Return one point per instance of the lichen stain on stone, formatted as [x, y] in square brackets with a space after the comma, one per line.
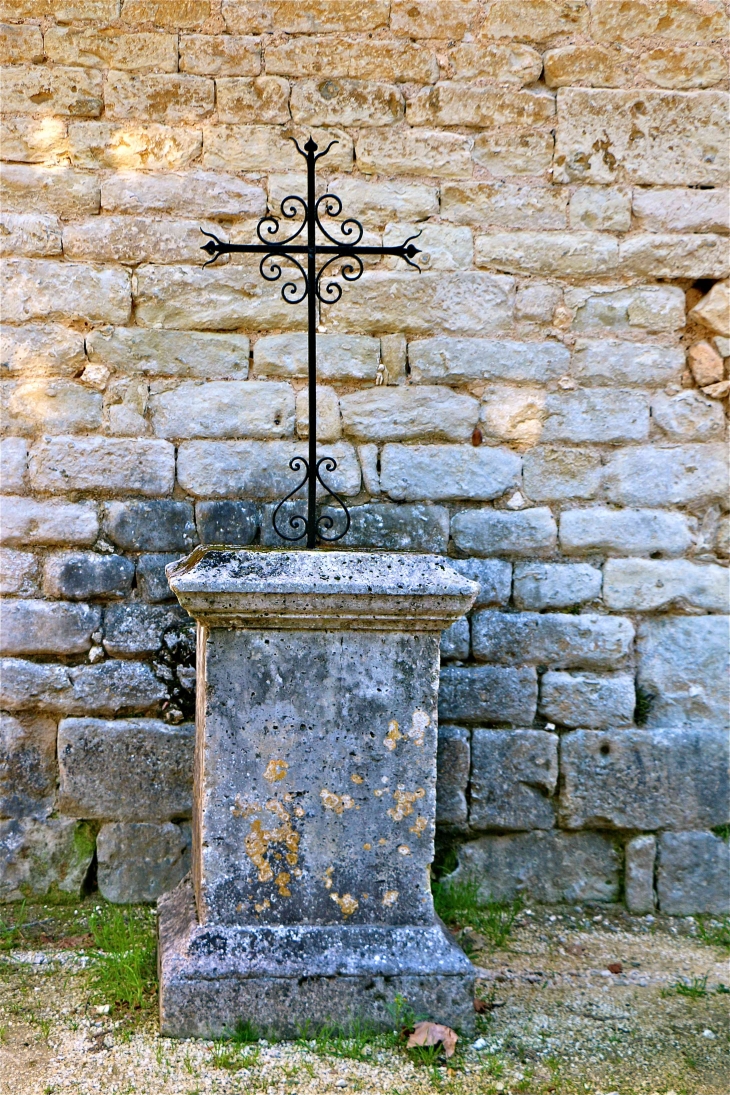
[379, 791]
[263, 906]
[403, 849]
[259, 839]
[276, 770]
[355, 778]
[282, 881]
[328, 878]
[404, 803]
[419, 826]
[347, 903]
[241, 809]
[367, 847]
[419, 722]
[393, 736]
[337, 803]
[390, 897]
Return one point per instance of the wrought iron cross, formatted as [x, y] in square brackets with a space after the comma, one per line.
[314, 289]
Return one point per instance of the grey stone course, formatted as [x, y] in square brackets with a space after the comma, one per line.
[410, 473]
[612, 362]
[693, 875]
[675, 475]
[150, 526]
[683, 670]
[461, 360]
[500, 532]
[134, 630]
[138, 861]
[397, 528]
[18, 572]
[493, 575]
[455, 641]
[453, 765]
[624, 531]
[47, 627]
[151, 577]
[514, 773]
[13, 464]
[555, 585]
[553, 473]
[43, 858]
[488, 693]
[587, 700]
[84, 575]
[645, 585]
[258, 470]
[639, 874]
[28, 767]
[231, 523]
[108, 688]
[607, 416]
[556, 640]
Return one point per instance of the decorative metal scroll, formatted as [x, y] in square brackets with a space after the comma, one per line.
[343, 258]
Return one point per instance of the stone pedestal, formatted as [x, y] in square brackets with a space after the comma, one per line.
[314, 802]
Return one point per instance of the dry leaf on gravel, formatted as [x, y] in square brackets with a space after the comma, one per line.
[433, 1034]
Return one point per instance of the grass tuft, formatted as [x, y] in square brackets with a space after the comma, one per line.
[12, 934]
[714, 931]
[458, 905]
[234, 1056]
[696, 989]
[122, 965]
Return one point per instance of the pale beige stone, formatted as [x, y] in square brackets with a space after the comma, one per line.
[55, 405]
[652, 307]
[345, 102]
[504, 205]
[682, 210]
[442, 246]
[414, 152]
[202, 193]
[41, 350]
[526, 152]
[690, 20]
[560, 254]
[243, 100]
[165, 97]
[172, 14]
[714, 309]
[269, 148]
[314, 17]
[44, 289]
[339, 357]
[600, 209]
[329, 420]
[718, 391]
[508, 64]
[514, 414]
[688, 416]
[18, 573]
[220, 54]
[33, 140]
[443, 360]
[105, 465]
[257, 469]
[38, 89]
[63, 10]
[673, 256]
[535, 20]
[20, 43]
[356, 58]
[372, 203]
[486, 107]
[112, 48]
[647, 137]
[28, 522]
[224, 408]
[588, 65]
[409, 414]
[63, 191]
[135, 351]
[33, 234]
[13, 460]
[433, 18]
[683, 67]
[131, 146]
[137, 239]
[705, 364]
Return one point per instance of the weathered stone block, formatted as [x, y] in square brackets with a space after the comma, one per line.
[674, 256]
[609, 362]
[42, 350]
[151, 577]
[555, 585]
[683, 668]
[53, 406]
[44, 289]
[430, 152]
[339, 357]
[644, 779]
[269, 148]
[693, 874]
[360, 59]
[507, 64]
[688, 416]
[683, 67]
[714, 308]
[38, 89]
[559, 640]
[624, 531]
[536, 302]
[514, 773]
[41, 859]
[232, 523]
[108, 465]
[172, 14]
[80, 575]
[585, 699]
[154, 526]
[514, 152]
[221, 55]
[455, 641]
[499, 532]
[657, 476]
[589, 65]
[557, 254]
[440, 472]
[461, 360]
[26, 521]
[643, 585]
[488, 693]
[18, 572]
[398, 528]
[190, 193]
[453, 103]
[27, 142]
[493, 575]
[164, 97]
[130, 350]
[139, 861]
[256, 469]
[47, 627]
[32, 234]
[452, 776]
[13, 464]
[241, 100]
[142, 51]
[224, 408]
[97, 758]
[136, 239]
[319, 16]
[651, 307]
[549, 867]
[20, 43]
[433, 18]
[131, 631]
[443, 246]
[409, 414]
[596, 415]
[681, 210]
[27, 766]
[108, 688]
[503, 205]
[639, 874]
[329, 420]
[616, 20]
[345, 102]
[601, 209]
[555, 473]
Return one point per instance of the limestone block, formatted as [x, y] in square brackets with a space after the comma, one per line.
[555, 585]
[27, 766]
[256, 469]
[344, 102]
[639, 874]
[488, 693]
[452, 103]
[20, 43]
[677, 143]
[555, 254]
[13, 463]
[441, 472]
[722, 539]
[443, 246]
[96, 757]
[359, 59]
[230, 523]
[714, 309]
[27, 521]
[37, 89]
[549, 867]
[536, 302]
[374, 203]
[644, 779]
[40, 858]
[80, 575]
[504, 205]
[514, 152]
[624, 531]
[644, 585]
[433, 18]
[269, 148]
[158, 97]
[514, 414]
[142, 51]
[135, 239]
[18, 572]
[600, 209]
[538, 20]
[514, 773]
[553, 473]
[499, 532]
[44, 289]
[150, 526]
[455, 641]
[683, 668]
[263, 99]
[53, 405]
[414, 152]
[693, 874]
[31, 234]
[193, 193]
[224, 408]
[132, 631]
[131, 145]
[139, 861]
[507, 64]
[221, 55]
[613, 20]
[688, 416]
[461, 360]
[585, 699]
[657, 476]
[185, 14]
[652, 307]
[386, 528]
[493, 575]
[596, 415]
[106, 689]
[42, 350]
[452, 776]
[608, 362]
[681, 210]
[151, 577]
[108, 465]
[47, 627]
[700, 255]
[339, 357]
[588, 64]
[683, 67]
[130, 350]
[318, 17]
[409, 414]
[329, 421]
[705, 363]
[24, 141]
[556, 640]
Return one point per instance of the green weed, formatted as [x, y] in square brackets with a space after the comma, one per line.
[12, 934]
[122, 968]
[244, 1033]
[353, 1044]
[233, 1056]
[458, 905]
[723, 831]
[427, 1056]
[714, 931]
[696, 989]
[644, 704]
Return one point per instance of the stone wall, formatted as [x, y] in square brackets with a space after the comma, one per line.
[545, 403]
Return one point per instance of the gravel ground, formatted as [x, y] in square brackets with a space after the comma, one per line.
[557, 1021]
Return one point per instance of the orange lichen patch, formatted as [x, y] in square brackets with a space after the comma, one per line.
[282, 881]
[275, 770]
[299, 811]
[393, 736]
[419, 722]
[404, 802]
[240, 809]
[328, 878]
[338, 803]
[265, 904]
[356, 779]
[347, 903]
[367, 847]
[379, 791]
[403, 849]
[390, 897]
[382, 840]
[419, 826]
[259, 839]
